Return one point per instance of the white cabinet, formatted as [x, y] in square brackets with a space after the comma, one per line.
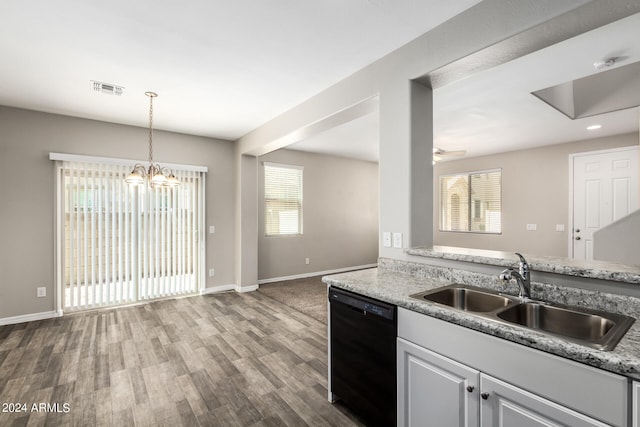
[635, 403]
[504, 404]
[509, 384]
[434, 390]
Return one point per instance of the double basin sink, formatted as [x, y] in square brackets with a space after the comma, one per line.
[592, 328]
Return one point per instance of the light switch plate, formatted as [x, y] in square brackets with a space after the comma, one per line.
[559, 227]
[212, 229]
[397, 240]
[532, 227]
[386, 239]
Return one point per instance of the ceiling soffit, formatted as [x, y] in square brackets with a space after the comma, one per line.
[611, 90]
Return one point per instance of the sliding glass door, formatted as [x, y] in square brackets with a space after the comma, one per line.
[119, 244]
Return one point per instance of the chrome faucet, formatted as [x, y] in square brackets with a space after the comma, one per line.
[522, 277]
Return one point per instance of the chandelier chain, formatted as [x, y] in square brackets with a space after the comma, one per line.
[150, 130]
[155, 174]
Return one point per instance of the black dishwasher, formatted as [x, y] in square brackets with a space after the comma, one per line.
[363, 355]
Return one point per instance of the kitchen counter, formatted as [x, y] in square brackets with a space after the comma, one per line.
[395, 287]
[569, 267]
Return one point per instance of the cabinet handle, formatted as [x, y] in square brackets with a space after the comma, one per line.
[578, 238]
[470, 388]
[485, 396]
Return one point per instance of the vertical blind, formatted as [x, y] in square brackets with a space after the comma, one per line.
[120, 244]
[471, 202]
[282, 199]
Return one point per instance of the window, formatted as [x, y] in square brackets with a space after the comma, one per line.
[282, 200]
[120, 245]
[471, 202]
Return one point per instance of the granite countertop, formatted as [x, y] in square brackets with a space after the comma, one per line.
[395, 287]
[570, 267]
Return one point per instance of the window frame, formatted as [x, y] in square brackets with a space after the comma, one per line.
[299, 201]
[128, 275]
[471, 203]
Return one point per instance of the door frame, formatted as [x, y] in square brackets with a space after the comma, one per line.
[572, 157]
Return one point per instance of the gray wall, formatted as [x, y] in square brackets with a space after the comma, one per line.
[490, 33]
[535, 190]
[340, 214]
[619, 241]
[26, 216]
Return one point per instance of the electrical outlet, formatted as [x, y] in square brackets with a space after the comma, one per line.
[532, 227]
[41, 292]
[306, 261]
[212, 229]
[559, 227]
[212, 272]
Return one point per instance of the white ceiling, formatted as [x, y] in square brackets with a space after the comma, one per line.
[494, 111]
[221, 68]
[357, 139]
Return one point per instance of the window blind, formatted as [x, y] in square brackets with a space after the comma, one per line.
[121, 244]
[471, 202]
[282, 199]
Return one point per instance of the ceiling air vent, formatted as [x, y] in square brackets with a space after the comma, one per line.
[106, 88]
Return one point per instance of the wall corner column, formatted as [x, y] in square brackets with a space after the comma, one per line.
[422, 220]
[406, 170]
[246, 233]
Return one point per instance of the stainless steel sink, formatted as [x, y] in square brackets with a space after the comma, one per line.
[592, 328]
[467, 298]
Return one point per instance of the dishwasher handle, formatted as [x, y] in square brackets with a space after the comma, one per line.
[368, 306]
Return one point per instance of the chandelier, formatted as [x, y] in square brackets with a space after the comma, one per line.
[154, 175]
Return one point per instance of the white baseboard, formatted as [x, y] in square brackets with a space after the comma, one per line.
[212, 290]
[29, 317]
[225, 288]
[216, 289]
[316, 273]
[248, 288]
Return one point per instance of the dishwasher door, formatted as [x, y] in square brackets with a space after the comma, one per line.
[363, 334]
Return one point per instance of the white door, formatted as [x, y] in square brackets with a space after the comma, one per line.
[605, 189]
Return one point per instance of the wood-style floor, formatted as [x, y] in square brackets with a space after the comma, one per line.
[215, 360]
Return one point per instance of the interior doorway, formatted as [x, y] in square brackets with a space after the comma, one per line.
[603, 189]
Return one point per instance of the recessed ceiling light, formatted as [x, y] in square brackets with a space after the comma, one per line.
[594, 127]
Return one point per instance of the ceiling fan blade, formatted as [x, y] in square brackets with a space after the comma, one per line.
[445, 153]
[454, 153]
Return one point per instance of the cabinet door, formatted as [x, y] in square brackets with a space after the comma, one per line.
[635, 403]
[434, 390]
[506, 405]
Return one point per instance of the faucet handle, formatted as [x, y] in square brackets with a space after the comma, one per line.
[524, 265]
